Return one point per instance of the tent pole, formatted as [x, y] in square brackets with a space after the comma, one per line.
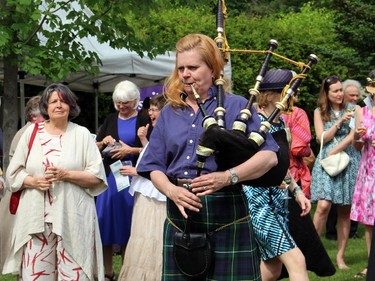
[96, 91]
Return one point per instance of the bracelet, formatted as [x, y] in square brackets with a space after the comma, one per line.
[295, 190]
[337, 126]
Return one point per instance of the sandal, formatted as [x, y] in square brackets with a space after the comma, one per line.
[361, 275]
[109, 277]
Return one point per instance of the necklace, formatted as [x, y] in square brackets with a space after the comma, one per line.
[336, 113]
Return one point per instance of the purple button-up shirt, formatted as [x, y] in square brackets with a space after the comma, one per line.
[175, 137]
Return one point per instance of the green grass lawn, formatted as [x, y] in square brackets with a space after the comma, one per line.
[356, 259]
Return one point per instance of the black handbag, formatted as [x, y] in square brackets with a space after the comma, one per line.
[192, 252]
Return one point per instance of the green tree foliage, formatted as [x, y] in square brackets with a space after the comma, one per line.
[35, 39]
[299, 34]
[162, 28]
[355, 25]
[43, 38]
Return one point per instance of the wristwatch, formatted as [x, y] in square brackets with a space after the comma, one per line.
[233, 177]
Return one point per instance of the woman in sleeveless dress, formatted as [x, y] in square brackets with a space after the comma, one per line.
[363, 205]
[332, 118]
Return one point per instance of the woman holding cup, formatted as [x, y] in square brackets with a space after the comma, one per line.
[332, 119]
[363, 205]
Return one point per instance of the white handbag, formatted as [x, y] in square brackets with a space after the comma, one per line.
[334, 164]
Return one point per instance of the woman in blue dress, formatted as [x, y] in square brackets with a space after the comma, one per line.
[332, 117]
[115, 206]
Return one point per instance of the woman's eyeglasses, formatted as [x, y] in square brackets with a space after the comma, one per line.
[150, 110]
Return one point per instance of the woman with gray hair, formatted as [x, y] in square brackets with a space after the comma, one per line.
[32, 115]
[352, 90]
[59, 171]
[117, 139]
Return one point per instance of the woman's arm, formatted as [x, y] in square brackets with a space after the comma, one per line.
[359, 131]
[181, 196]
[253, 168]
[81, 178]
[342, 145]
[331, 132]
[301, 134]
[142, 134]
[256, 166]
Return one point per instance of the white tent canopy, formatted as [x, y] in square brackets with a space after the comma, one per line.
[117, 65]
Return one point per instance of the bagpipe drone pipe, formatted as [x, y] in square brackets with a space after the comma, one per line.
[233, 147]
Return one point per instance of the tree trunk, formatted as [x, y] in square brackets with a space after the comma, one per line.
[10, 105]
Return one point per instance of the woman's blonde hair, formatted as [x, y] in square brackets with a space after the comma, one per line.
[262, 99]
[210, 54]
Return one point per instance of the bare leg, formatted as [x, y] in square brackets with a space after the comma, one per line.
[321, 215]
[295, 264]
[368, 236]
[270, 269]
[108, 256]
[343, 228]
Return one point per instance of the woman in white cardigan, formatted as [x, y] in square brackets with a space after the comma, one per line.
[56, 230]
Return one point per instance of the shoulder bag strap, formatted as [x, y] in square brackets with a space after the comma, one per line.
[32, 140]
[321, 145]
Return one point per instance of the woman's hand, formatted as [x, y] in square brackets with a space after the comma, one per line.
[122, 152]
[108, 140]
[184, 199]
[283, 185]
[142, 134]
[359, 133]
[303, 202]
[54, 173]
[346, 117]
[181, 196]
[128, 170]
[210, 183]
[41, 183]
[81, 178]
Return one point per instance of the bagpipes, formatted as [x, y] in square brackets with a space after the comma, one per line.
[233, 147]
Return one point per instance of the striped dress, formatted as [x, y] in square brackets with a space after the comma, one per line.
[268, 211]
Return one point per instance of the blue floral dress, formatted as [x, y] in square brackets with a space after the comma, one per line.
[339, 189]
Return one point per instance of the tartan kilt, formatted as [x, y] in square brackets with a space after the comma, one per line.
[236, 256]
